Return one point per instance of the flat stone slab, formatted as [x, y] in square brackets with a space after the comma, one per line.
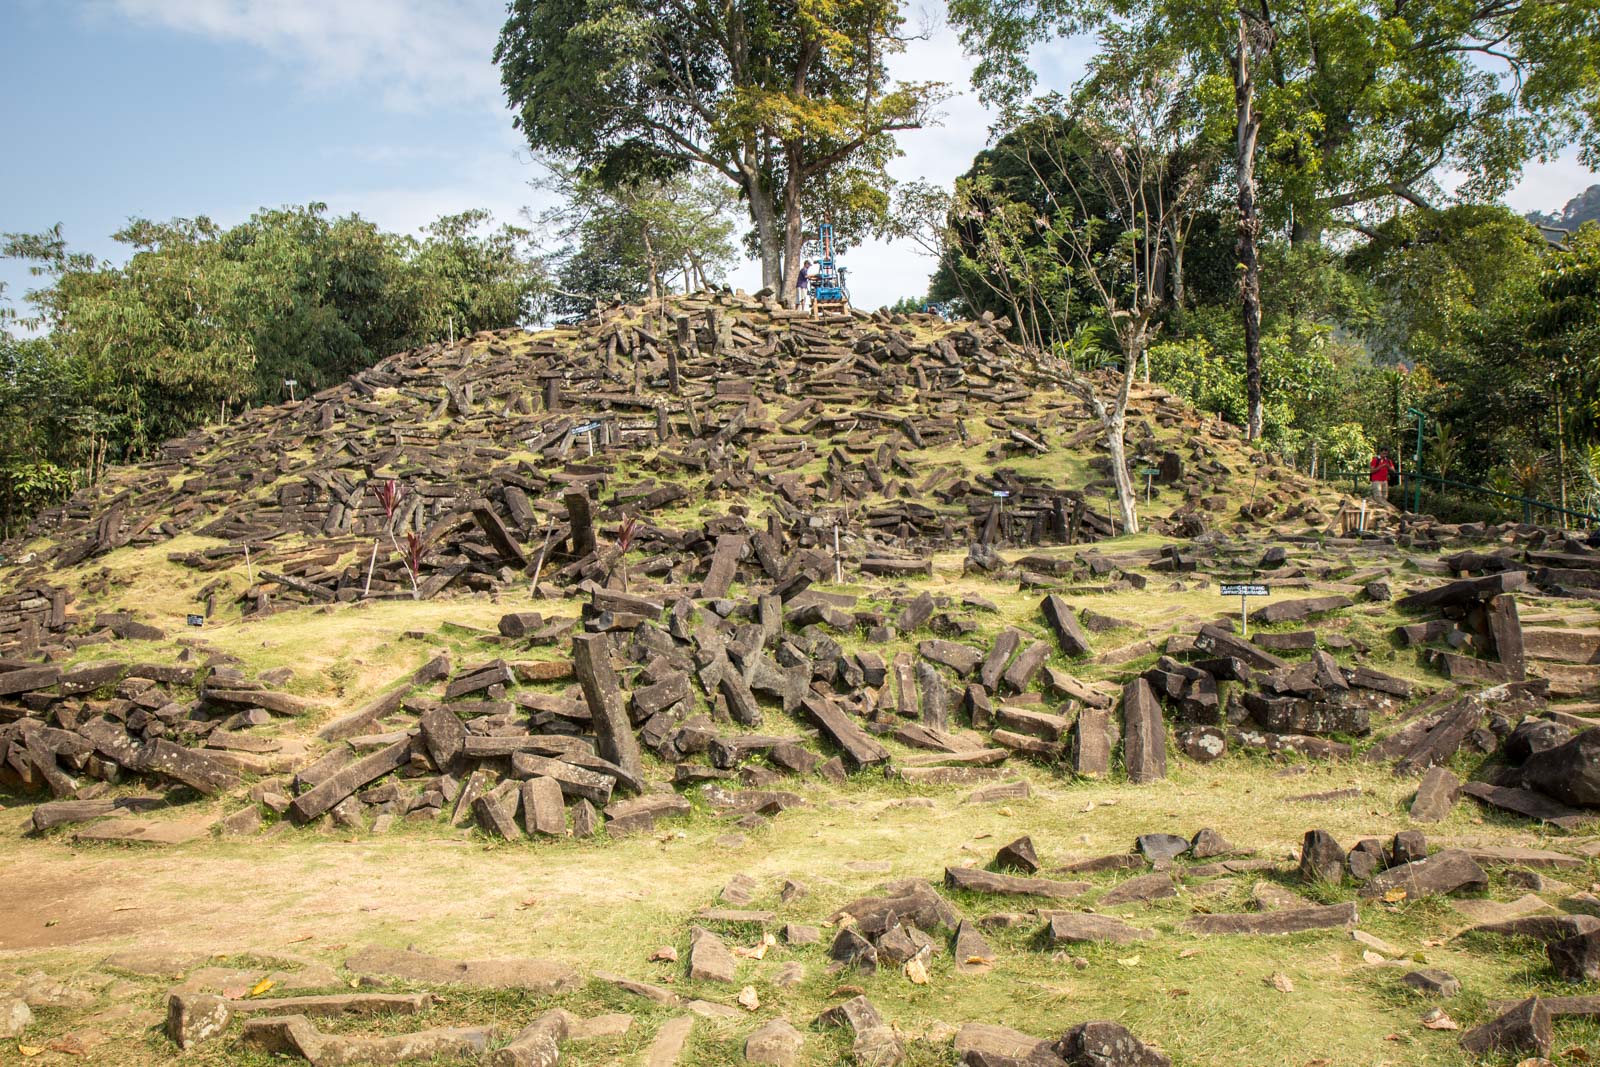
[1558, 1007]
[709, 958]
[1013, 885]
[1512, 856]
[294, 1035]
[1528, 803]
[1147, 887]
[669, 1042]
[1541, 927]
[1004, 1044]
[1288, 921]
[1491, 911]
[196, 1017]
[534, 975]
[54, 813]
[1076, 927]
[147, 831]
[640, 813]
[1441, 873]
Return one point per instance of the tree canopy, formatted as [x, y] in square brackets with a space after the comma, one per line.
[201, 321]
[1363, 104]
[782, 98]
[630, 241]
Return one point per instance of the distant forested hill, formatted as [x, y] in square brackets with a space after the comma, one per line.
[1585, 207]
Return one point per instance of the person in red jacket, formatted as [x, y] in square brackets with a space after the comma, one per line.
[1383, 469]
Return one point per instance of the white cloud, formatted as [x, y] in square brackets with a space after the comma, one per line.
[882, 272]
[413, 53]
[1548, 186]
[416, 55]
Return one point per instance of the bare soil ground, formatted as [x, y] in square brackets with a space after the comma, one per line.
[292, 899]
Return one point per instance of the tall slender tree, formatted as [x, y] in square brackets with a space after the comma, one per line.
[775, 95]
[1255, 36]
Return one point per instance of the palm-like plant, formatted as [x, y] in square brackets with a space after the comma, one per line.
[625, 536]
[1446, 448]
[1527, 473]
[1591, 478]
[416, 548]
[389, 493]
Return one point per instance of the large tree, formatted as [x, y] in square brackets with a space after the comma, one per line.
[1090, 200]
[201, 320]
[1353, 105]
[775, 95]
[632, 240]
[1363, 103]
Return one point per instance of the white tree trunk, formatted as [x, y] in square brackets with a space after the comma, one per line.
[1127, 498]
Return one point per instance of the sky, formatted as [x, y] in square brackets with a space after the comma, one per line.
[390, 108]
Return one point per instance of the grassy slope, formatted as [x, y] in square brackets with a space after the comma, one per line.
[608, 905]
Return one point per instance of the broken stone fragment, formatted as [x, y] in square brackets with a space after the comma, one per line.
[1570, 772]
[1366, 859]
[195, 1018]
[972, 953]
[1432, 982]
[1107, 1044]
[1208, 843]
[1321, 858]
[1161, 848]
[1203, 744]
[876, 1044]
[1437, 794]
[777, 1043]
[15, 1016]
[1524, 1028]
[709, 958]
[537, 1045]
[1018, 856]
[851, 949]
[1576, 958]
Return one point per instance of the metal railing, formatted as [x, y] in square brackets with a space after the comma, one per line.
[1410, 493]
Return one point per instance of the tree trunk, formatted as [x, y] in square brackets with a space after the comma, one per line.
[793, 234]
[1127, 499]
[1561, 453]
[1115, 420]
[764, 215]
[1248, 124]
[1177, 243]
[653, 286]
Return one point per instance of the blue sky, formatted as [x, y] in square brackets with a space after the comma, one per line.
[160, 108]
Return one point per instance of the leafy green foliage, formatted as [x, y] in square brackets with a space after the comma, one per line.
[201, 321]
[1585, 207]
[45, 429]
[790, 101]
[1363, 103]
[630, 242]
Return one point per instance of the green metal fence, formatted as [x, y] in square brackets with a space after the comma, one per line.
[1413, 487]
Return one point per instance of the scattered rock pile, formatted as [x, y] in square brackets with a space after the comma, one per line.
[867, 440]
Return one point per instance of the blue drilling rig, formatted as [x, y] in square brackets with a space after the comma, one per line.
[829, 291]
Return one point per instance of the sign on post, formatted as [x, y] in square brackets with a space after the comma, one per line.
[197, 620]
[1244, 591]
[1149, 473]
